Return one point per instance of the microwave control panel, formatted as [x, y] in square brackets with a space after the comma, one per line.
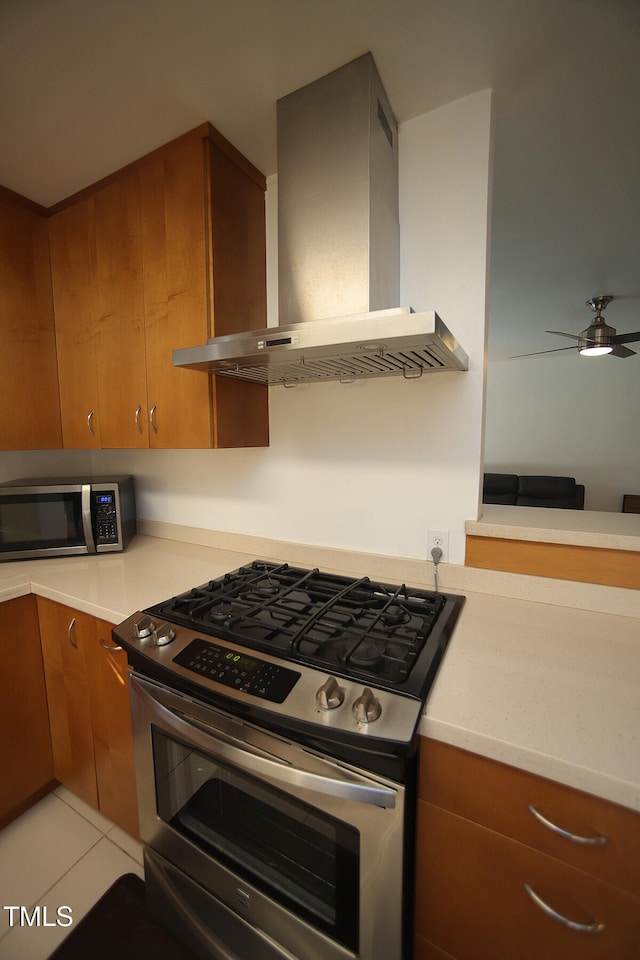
[104, 516]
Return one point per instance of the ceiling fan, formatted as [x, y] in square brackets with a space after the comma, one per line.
[598, 338]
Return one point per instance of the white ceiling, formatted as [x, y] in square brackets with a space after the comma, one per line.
[86, 87]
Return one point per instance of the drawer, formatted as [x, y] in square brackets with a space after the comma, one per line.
[471, 900]
[499, 797]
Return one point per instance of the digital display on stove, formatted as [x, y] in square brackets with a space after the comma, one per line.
[245, 663]
[269, 681]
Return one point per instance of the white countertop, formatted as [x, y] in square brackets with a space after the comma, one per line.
[615, 531]
[552, 689]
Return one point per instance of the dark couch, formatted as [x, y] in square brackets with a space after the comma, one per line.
[509, 488]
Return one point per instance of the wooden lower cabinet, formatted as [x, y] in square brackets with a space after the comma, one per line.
[89, 712]
[479, 848]
[25, 744]
[108, 677]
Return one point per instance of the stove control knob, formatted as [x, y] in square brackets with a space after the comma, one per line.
[366, 708]
[163, 634]
[143, 628]
[330, 695]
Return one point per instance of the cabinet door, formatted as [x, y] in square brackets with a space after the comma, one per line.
[72, 243]
[173, 199]
[65, 634]
[238, 289]
[25, 744]
[112, 731]
[119, 316]
[203, 231]
[511, 802]
[472, 903]
[29, 408]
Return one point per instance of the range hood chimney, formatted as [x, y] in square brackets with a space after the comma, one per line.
[338, 250]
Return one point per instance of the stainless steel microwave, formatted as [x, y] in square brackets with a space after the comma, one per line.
[63, 516]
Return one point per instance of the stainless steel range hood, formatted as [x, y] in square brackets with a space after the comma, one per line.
[381, 344]
[338, 250]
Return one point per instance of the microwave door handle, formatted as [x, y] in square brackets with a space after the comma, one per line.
[273, 770]
[87, 528]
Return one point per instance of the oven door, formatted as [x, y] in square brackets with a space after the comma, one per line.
[306, 851]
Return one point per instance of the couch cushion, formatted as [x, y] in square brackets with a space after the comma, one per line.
[547, 492]
[500, 488]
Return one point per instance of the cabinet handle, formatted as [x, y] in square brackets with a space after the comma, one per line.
[594, 927]
[112, 647]
[90, 423]
[597, 841]
[152, 417]
[72, 624]
[137, 418]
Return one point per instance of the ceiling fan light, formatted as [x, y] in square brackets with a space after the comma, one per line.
[595, 350]
[595, 341]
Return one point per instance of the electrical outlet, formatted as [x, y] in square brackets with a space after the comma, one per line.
[438, 538]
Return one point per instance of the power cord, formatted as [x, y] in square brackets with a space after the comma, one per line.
[436, 556]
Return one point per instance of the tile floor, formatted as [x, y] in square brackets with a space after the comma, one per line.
[61, 852]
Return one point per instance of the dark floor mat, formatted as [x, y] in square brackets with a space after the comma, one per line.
[120, 927]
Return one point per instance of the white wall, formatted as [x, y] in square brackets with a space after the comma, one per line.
[567, 415]
[371, 465]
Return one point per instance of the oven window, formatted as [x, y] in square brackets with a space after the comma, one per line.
[294, 852]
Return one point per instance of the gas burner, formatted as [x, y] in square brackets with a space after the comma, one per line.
[220, 614]
[368, 654]
[265, 590]
[394, 615]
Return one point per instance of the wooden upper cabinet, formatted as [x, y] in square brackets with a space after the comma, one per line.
[119, 315]
[29, 409]
[174, 234]
[73, 253]
[161, 255]
[203, 236]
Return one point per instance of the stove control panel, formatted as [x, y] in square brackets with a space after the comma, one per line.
[270, 681]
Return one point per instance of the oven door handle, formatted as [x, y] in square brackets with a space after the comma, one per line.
[273, 770]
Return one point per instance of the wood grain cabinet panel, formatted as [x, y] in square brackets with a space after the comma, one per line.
[473, 904]
[119, 315]
[479, 844]
[25, 742]
[108, 677]
[160, 255]
[499, 796]
[65, 633]
[73, 254]
[29, 407]
[174, 230]
[89, 712]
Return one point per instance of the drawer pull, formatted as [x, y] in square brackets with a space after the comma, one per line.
[111, 647]
[596, 841]
[594, 927]
[72, 624]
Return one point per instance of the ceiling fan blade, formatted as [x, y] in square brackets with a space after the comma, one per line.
[559, 333]
[540, 352]
[620, 351]
[626, 337]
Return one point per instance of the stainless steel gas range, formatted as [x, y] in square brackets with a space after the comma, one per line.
[275, 719]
